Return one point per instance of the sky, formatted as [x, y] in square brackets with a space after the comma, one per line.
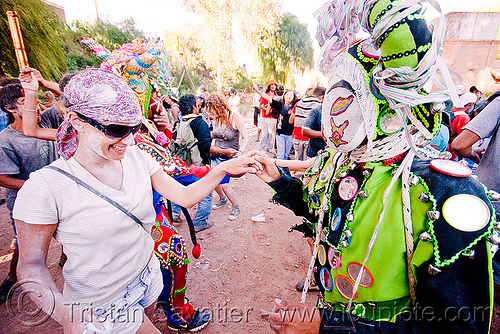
[156, 16]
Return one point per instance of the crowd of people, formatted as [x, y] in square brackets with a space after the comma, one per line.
[402, 234]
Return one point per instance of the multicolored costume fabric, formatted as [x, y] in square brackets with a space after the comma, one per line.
[170, 247]
[450, 265]
[394, 234]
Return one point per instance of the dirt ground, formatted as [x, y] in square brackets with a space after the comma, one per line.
[243, 267]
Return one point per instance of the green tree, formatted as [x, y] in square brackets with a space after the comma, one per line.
[106, 33]
[289, 49]
[219, 18]
[44, 35]
[184, 54]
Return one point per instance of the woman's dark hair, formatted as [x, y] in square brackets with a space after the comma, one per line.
[295, 97]
[202, 98]
[280, 90]
[8, 99]
[268, 89]
[64, 81]
[4, 81]
[186, 104]
[318, 92]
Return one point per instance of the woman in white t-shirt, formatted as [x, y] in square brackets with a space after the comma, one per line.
[111, 270]
[233, 101]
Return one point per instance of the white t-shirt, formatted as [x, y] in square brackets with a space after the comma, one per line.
[234, 103]
[106, 249]
[256, 100]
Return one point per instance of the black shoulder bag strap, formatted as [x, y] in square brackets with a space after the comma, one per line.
[98, 193]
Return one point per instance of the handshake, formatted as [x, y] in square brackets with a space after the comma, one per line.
[253, 162]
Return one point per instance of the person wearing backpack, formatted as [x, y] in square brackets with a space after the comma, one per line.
[191, 143]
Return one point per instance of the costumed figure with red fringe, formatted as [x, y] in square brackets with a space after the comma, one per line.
[140, 64]
[403, 243]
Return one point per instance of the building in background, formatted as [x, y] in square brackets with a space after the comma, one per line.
[59, 10]
[470, 46]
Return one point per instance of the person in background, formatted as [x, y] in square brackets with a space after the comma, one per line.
[460, 89]
[312, 130]
[171, 103]
[203, 91]
[311, 100]
[256, 112]
[234, 100]
[4, 81]
[20, 155]
[461, 118]
[442, 139]
[158, 113]
[481, 104]
[228, 129]
[200, 154]
[284, 106]
[273, 121]
[53, 117]
[476, 90]
[202, 107]
[265, 117]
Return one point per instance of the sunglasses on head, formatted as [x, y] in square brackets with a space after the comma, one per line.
[112, 131]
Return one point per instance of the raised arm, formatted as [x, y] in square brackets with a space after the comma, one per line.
[262, 94]
[30, 110]
[50, 85]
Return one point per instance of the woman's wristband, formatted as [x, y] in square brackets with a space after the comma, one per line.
[33, 90]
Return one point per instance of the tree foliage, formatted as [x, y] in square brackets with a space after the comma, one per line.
[184, 54]
[255, 19]
[289, 49]
[108, 34]
[44, 37]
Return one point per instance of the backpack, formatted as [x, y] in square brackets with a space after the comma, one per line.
[185, 146]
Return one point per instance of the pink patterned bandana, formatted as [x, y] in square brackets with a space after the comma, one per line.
[100, 95]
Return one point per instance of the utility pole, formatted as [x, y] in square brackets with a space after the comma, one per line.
[96, 11]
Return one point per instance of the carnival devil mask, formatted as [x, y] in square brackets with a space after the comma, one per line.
[368, 109]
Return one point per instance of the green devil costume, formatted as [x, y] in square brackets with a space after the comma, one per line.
[404, 244]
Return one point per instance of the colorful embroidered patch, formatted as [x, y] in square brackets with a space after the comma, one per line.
[340, 105]
[338, 133]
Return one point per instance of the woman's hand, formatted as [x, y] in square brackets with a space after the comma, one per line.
[291, 319]
[161, 120]
[229, 152]
[269, 170]
[28, 81]
[82, 321]
[242, 165]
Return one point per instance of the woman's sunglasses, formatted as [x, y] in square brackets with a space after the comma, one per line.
[112, 131]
